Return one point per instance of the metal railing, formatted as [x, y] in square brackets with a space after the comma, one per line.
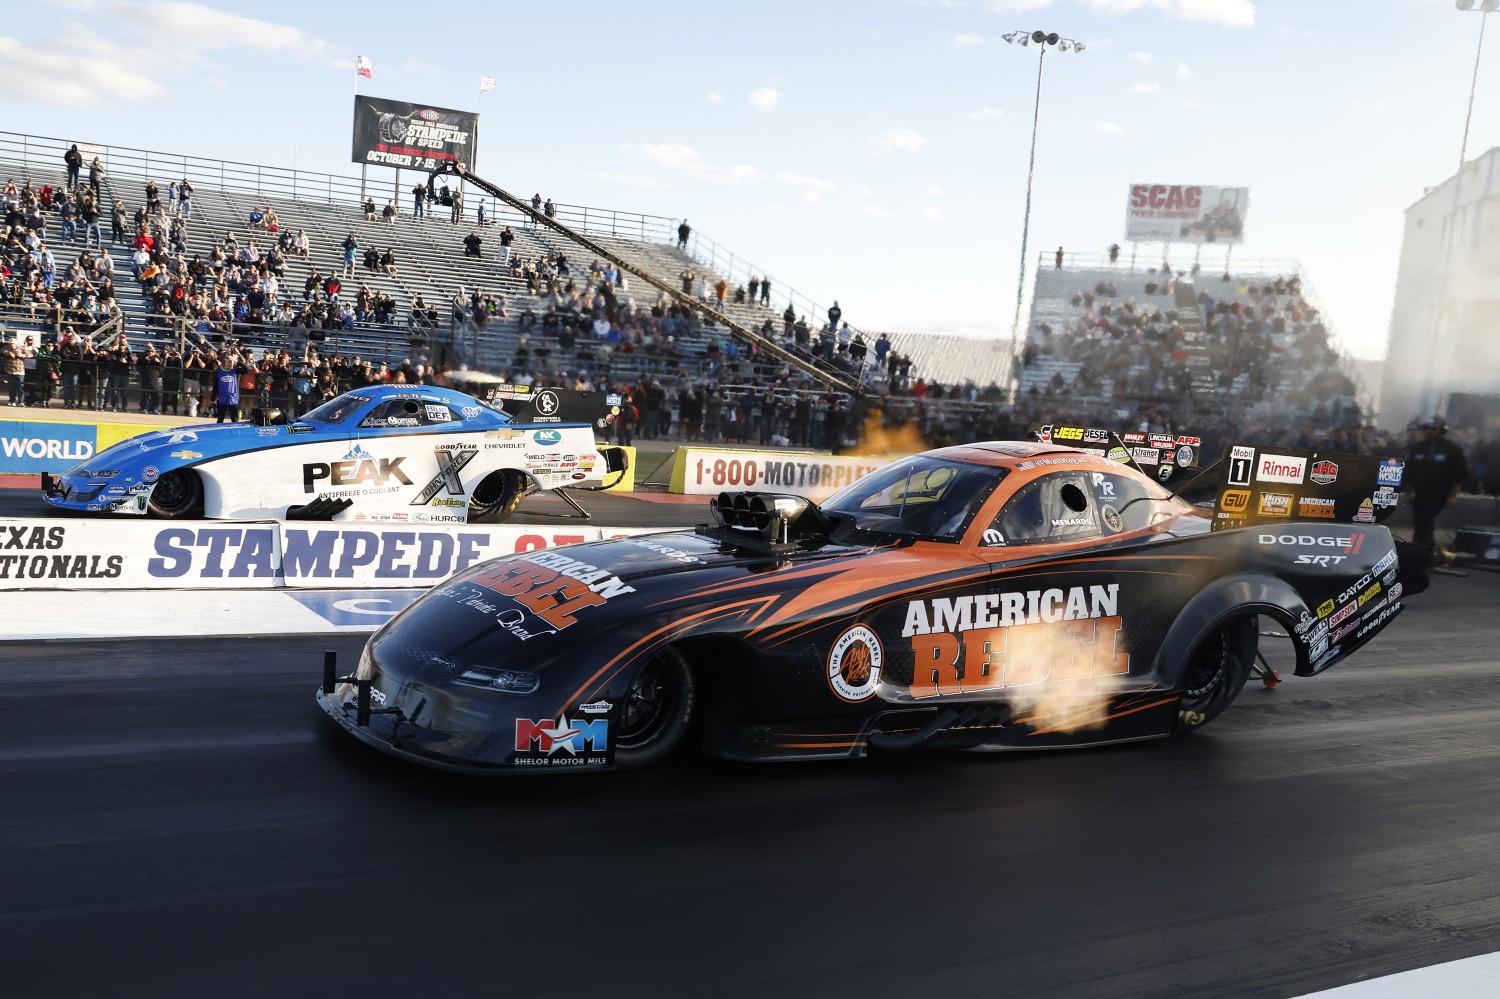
[305, 186]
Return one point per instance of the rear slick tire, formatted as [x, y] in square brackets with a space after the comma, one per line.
[657, 711]
[1216, 672]
[496, 497]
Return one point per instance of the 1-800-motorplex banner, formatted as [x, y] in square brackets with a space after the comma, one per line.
[1186, 213]
[417, 136]
[37, 554]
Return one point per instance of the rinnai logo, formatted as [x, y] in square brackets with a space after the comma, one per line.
[1280, 468]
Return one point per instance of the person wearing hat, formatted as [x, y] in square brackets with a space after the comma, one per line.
[1435, 469]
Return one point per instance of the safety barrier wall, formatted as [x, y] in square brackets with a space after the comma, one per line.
[33, 446]
[707, 471]
[47, 553]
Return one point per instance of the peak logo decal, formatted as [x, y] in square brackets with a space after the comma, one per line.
[358, 468]
[854, 664]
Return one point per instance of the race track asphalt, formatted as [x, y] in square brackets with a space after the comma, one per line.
[180, 819]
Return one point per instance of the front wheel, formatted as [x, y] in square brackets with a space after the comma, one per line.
[1216, 672]
[657, 711]
[177, 494]
[497, 497]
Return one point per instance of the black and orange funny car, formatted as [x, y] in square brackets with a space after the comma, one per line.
[980, 597]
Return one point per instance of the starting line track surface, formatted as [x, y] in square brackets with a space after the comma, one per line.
[44, 614]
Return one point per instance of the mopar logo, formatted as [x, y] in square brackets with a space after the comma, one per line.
[369, 471]
[547, 438]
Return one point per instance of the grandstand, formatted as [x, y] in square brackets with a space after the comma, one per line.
[431, 263]
[1109, 338]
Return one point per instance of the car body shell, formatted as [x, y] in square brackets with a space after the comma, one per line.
[394, 452]
[852, 642]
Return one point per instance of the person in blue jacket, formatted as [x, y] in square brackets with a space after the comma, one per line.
[227, 399]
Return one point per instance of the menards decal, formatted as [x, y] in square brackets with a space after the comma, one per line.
[990, 641]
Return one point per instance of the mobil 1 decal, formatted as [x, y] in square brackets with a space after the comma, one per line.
[1281, 485]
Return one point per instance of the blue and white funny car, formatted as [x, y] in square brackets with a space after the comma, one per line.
[389, 453]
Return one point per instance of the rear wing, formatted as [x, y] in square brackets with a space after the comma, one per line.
[1164, 456]
[531, 405]
[1275, 485]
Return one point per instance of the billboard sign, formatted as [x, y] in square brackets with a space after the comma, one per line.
[416, 136]
[1186, 213]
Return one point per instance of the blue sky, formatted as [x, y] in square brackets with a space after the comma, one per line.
[873, 152]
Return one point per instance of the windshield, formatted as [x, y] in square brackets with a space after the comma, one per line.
[335, 410]
[921, 497]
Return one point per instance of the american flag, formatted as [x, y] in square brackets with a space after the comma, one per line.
[486, 84]
[362, 67]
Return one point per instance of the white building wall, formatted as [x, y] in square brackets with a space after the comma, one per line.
[1445, 324]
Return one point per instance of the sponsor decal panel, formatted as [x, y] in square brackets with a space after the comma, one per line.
[1235, 500]
[1315, 508]
[1275, 505]
[1323, 473]
[1241, 465]
[854, 664]
[562, 742]
[1390, 473]
[1285, 468]
[993, 641]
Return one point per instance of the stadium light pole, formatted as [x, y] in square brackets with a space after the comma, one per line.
[1486, 8]
[1043, 41]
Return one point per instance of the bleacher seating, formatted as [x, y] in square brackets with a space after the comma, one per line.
[431, 262]
[1108, 336]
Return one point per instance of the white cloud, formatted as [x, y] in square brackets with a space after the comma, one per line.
[985, 113]
[933, 191]
[1189, 103]
[931, 215]
[626, 179]
[1108, 128]
[902, 140]
[765, 99]
[966, 40]
[1140, 57]
[875, 211]
[205, 27]
[1144, 88]
[1016, 6]
[1184, 71]
[800, 180]
[714, 97]
[687, 161]
[1230, 13]
[73, 77]
[130, 49]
